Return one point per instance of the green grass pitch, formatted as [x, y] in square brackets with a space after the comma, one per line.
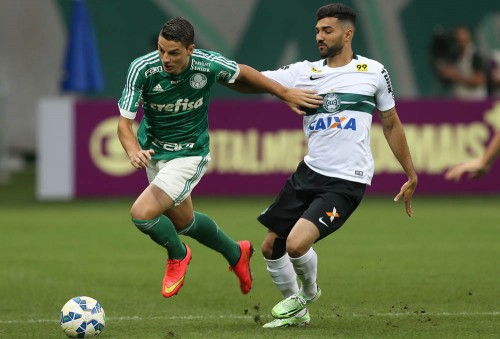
[383, 275]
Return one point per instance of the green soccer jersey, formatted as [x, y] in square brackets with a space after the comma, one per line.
[175, 122]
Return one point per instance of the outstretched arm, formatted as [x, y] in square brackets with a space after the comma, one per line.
[478, 166]
[395, 136]
[252, 81]
[242, 87]
[451, 73]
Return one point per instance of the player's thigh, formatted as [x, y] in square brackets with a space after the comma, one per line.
[178, 177]
[284, 212]
[151, 203]
[331, 209]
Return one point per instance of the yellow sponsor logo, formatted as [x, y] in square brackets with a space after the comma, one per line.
[255, 152]
[362, 67]
[106, 151]
[434, 147]
[315, 70]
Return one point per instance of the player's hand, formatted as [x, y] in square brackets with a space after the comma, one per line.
[296, 98]
[141, 159]
[407, 193]
[475, 168]
[449, 72]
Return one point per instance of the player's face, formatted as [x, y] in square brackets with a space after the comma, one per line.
[330, 37]
[174, 55]
[463, 37]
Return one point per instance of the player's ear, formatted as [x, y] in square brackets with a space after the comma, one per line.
[191, 49]
[349, 33]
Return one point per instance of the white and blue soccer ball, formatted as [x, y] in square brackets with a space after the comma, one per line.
[82, 317]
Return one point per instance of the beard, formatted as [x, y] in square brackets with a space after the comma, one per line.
[332, 51]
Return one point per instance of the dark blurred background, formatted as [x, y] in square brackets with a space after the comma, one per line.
[407, 36]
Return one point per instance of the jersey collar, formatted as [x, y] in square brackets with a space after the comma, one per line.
[354, 56]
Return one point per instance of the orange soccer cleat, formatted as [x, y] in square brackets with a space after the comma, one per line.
[175, 274]
[242, 268]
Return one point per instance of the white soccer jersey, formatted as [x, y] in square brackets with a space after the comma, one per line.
[338, 132]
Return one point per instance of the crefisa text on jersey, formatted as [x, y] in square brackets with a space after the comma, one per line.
[181, 105]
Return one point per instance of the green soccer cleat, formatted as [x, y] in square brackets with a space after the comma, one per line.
[293, 305]
[290, 321]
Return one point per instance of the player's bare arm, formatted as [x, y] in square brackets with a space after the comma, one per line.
[395, 136]
[138, 158]
[242, 87]
[479, 166]
[295, 98]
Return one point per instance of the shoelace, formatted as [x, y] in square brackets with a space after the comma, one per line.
[293, 300]
[173, 262]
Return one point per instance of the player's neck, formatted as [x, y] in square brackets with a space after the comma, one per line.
[341, 59]
[183, 67]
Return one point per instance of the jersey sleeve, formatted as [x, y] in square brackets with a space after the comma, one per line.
[225, 70]
[132, 93]
[384, 96]
[286, 75]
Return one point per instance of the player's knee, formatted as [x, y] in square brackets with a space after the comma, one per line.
[267, 249]
[141, 212]
[295, 248]
[273, 247]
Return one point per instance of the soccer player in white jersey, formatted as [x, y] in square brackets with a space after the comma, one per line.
[172, 144]
[330, 182]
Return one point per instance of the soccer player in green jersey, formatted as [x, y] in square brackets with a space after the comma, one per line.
[172, 144]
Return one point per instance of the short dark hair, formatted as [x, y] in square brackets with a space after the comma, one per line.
[178, 29]
[337, 10]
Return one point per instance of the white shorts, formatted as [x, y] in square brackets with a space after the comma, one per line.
[177, 177]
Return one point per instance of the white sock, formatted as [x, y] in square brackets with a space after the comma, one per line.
[306, 268]
[283, 275]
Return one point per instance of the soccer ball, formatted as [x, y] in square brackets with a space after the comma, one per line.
[82, 317]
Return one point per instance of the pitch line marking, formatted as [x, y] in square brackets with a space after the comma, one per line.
[200, 317]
